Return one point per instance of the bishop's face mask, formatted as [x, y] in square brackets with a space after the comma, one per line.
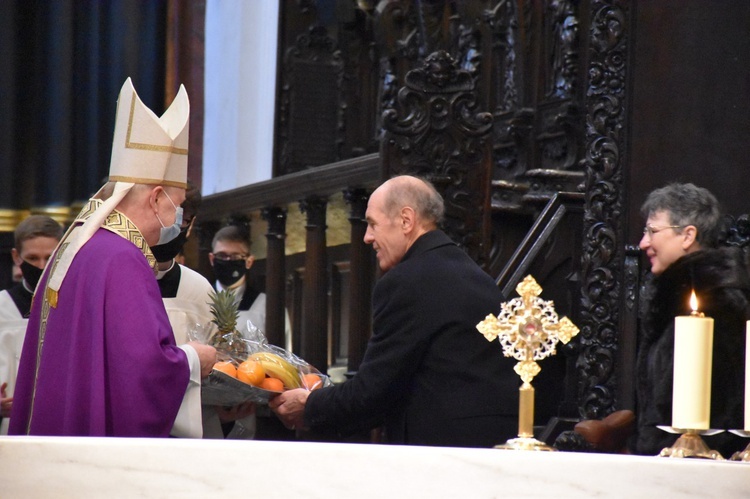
[167, 251]
[31, 273]
[228, 272]
[169, 233]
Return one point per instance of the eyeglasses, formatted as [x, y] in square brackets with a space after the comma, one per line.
[230, 257]
[650, 231]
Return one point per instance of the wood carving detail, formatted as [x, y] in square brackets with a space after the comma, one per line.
[503, 24]
[563, 52]
[602, 232]
[315, 208]
[437, 132]
[311, 93]
[276, 218]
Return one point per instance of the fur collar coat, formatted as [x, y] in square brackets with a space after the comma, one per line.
[722, 284]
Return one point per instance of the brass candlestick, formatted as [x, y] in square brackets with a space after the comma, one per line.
[690, 444]
[743, 455]
[691, 385]
[528, 329]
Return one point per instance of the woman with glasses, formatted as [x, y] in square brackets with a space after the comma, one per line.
[681, 242]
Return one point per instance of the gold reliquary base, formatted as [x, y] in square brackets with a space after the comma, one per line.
[525, 443]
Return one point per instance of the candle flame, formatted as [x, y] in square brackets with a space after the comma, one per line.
[694, 302]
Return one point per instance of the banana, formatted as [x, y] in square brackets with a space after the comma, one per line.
[277, 367]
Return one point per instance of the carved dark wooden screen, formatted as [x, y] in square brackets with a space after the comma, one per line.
[327, 91]
[520, 62]
[310, 113]
[559, 80]
[437, 131]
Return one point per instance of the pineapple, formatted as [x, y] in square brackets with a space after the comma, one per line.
[228, 339]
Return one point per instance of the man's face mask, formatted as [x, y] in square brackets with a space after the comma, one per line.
[167, 251]
[169, 233]
[229, 272]
[31, 273]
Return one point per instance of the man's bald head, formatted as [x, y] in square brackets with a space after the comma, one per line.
[399, 212]
[417, 193]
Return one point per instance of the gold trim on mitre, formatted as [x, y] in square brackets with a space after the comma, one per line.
[181, 185]
[147, 149]
[130, 144]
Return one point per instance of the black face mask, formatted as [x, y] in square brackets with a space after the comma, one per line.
[167, 251]
[229, 271]
[31, 274]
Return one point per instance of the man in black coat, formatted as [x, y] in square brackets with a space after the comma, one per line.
[428, 375]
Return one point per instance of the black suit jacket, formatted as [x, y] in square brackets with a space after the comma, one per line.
[428, 374]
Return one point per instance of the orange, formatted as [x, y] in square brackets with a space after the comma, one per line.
[226, 367]
[272, 384]
[311, 381]
[251, 372]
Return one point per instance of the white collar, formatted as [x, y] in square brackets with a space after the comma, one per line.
[162, 273]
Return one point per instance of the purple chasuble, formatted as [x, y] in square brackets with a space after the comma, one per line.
[109, 364]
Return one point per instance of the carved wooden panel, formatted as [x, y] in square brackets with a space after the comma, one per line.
[328, 85]
[310, 113]
[602, 259]
[438, 131]
[527, 95]
[535, 86]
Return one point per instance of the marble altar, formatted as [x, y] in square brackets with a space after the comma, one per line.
[116, 467]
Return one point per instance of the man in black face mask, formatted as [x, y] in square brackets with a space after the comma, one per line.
[231, 259]
[35, 240]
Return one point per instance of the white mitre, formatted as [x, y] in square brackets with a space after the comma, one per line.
[146, 149]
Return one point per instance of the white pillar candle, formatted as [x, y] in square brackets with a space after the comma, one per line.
[691, 388]
[747, 376]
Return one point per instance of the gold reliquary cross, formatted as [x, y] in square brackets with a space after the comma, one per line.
[528, 329]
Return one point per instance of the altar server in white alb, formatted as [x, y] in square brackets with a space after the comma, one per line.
[99, 357]
[35, 239]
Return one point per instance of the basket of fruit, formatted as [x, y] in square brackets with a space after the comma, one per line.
[251, 370]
